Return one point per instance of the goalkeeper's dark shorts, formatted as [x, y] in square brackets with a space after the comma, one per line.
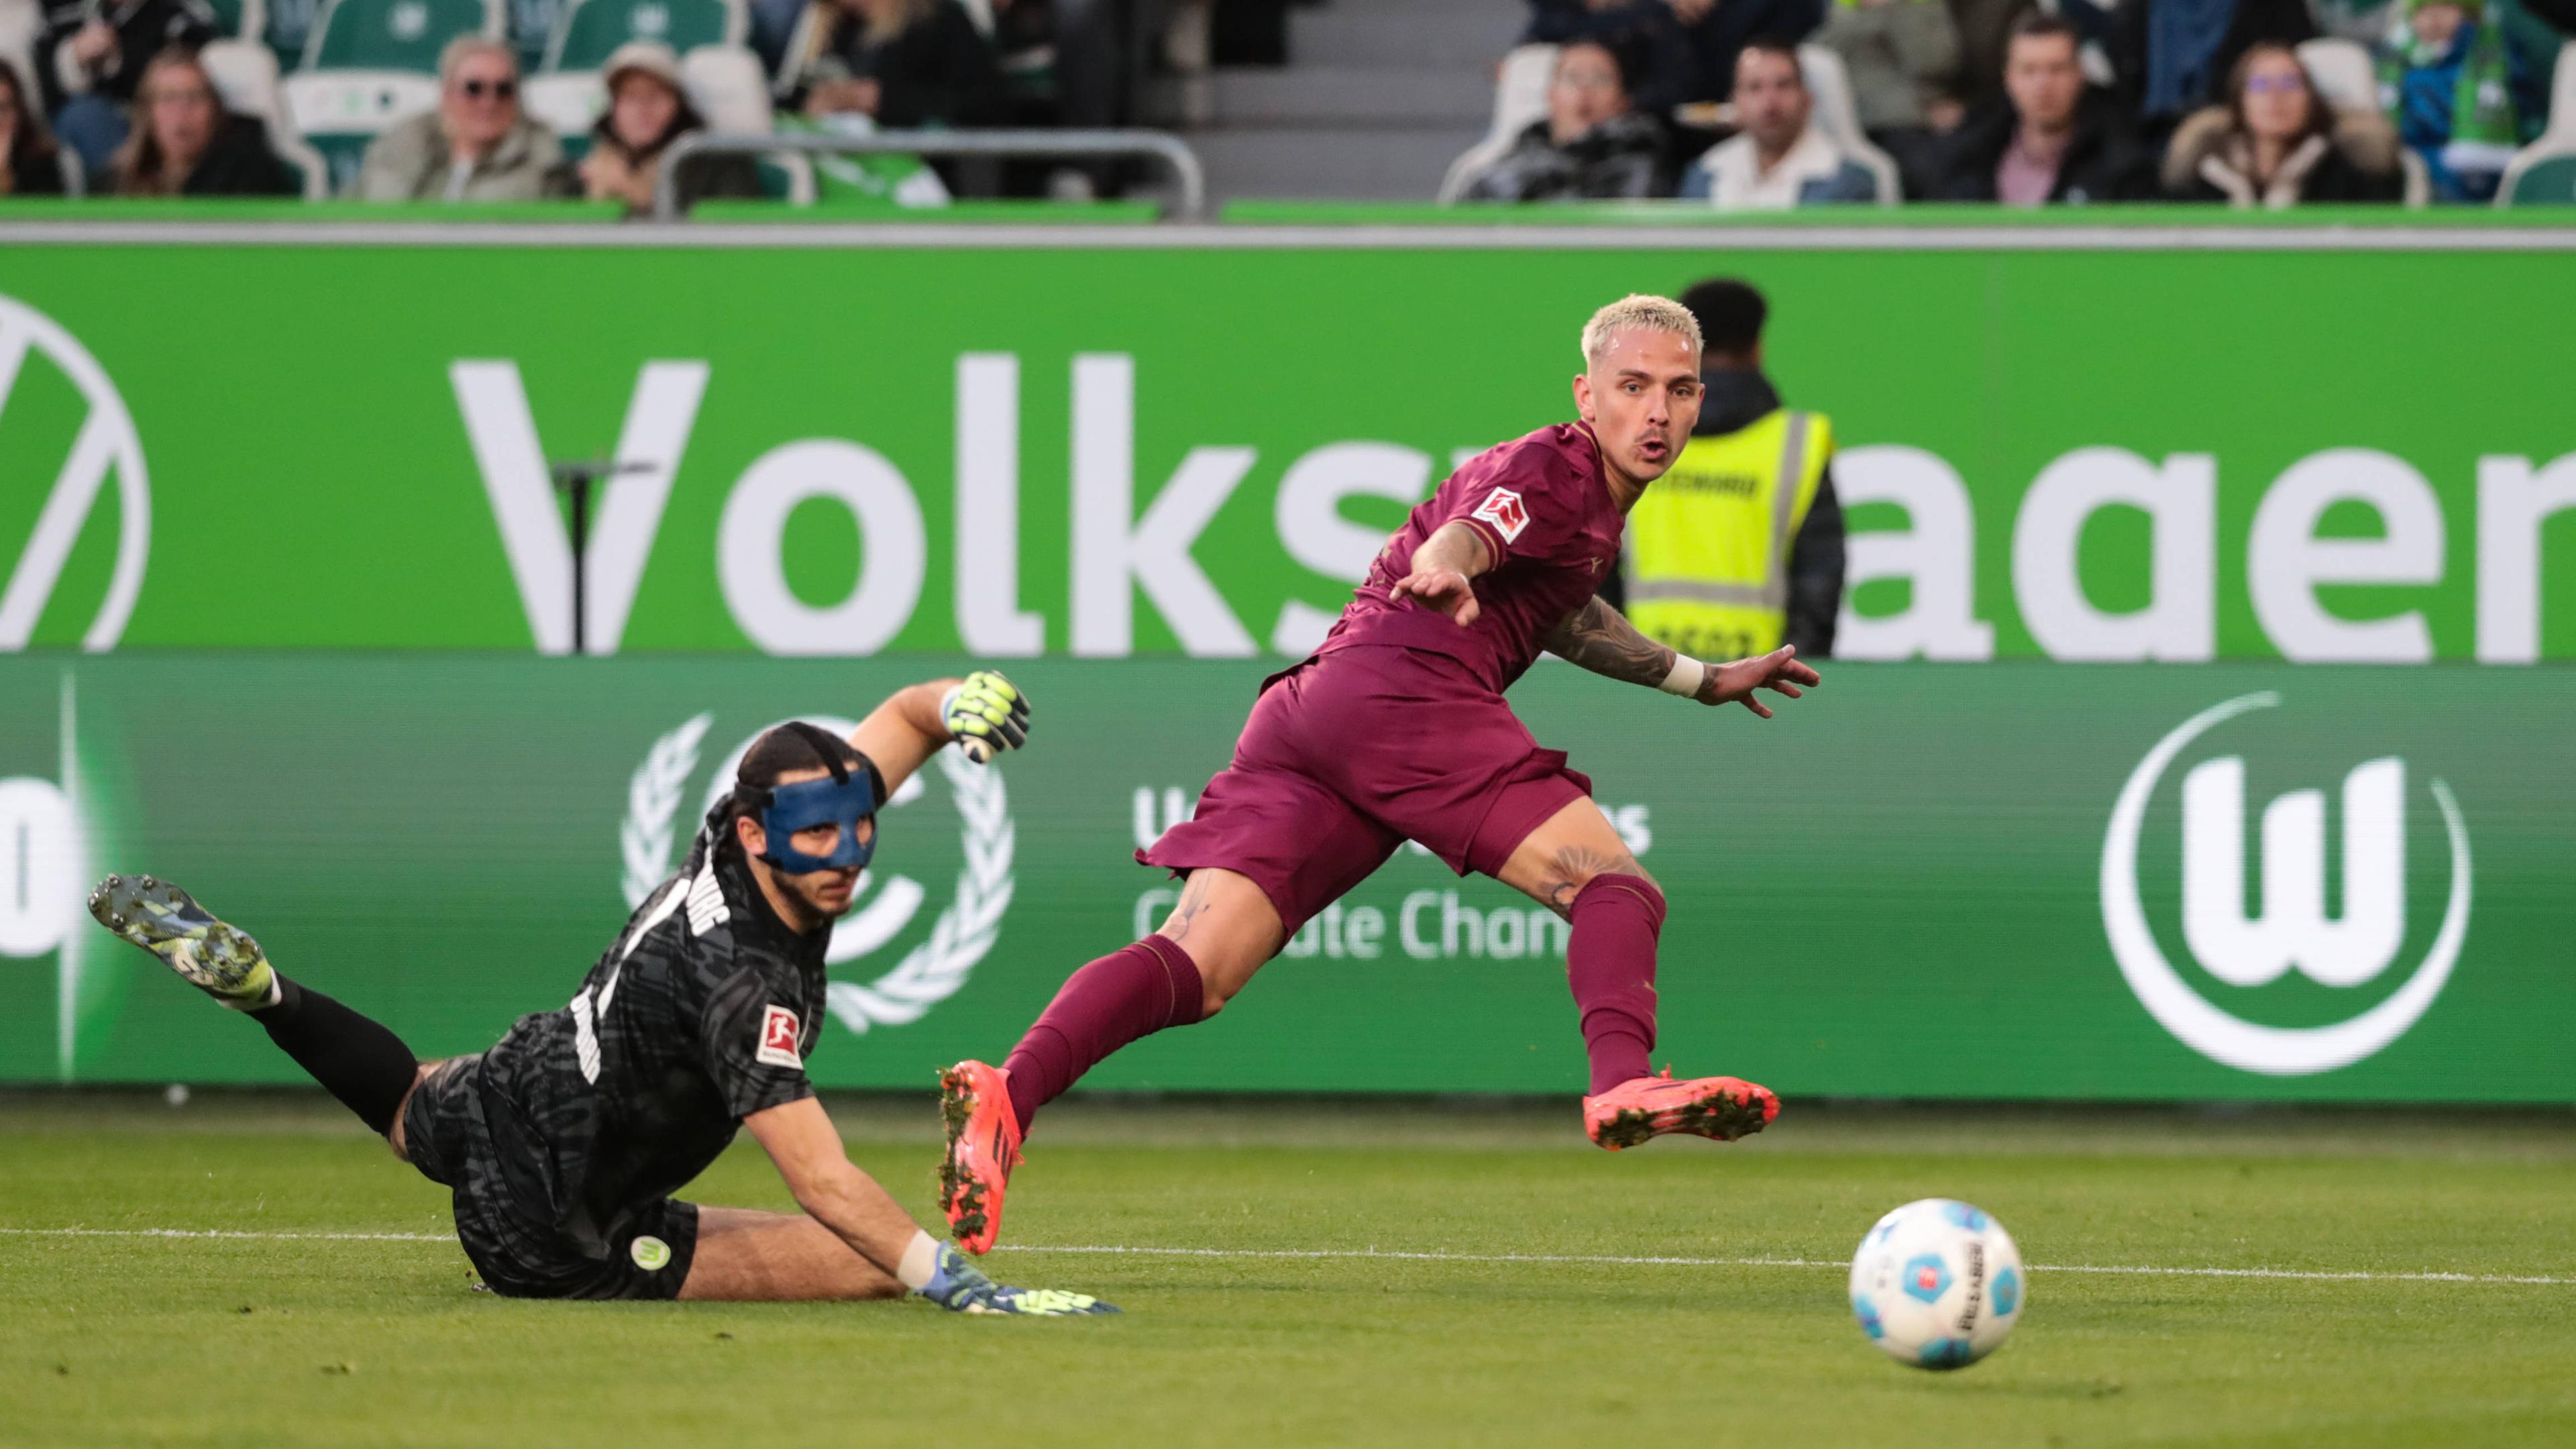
[497, 1170]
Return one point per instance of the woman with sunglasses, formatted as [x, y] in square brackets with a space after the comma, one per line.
[2275, 142]
[477, 146]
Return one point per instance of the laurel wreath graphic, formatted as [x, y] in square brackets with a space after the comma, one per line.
[928, 974]
[653, 803]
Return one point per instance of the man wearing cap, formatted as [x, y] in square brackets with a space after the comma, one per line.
[563, 1143]
[648, 109]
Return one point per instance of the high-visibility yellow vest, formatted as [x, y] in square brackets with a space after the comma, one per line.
[1708, 544]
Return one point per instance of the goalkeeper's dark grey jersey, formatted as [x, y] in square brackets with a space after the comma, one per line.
[700, 1015]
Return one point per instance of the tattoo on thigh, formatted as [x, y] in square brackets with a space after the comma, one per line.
[1574, 867]
[1194, 903]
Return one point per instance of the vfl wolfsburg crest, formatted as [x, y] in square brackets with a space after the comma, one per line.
[2291, 954]
[887, 905]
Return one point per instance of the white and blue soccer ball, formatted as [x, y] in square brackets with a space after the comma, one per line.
[1938, 1284]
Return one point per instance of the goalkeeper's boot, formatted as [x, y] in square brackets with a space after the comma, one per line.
[218, 959]
[983, 1147]
[1719, 1107]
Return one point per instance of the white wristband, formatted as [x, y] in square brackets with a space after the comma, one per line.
[1686, 677]
[920, 1260]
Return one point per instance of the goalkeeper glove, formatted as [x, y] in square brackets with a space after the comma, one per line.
[986, 714]
[960, 1287]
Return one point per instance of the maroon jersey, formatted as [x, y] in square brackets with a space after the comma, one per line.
[1544, 508]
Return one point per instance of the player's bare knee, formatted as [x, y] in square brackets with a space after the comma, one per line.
[394, 1133]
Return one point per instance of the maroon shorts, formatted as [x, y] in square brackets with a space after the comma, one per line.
[1352, 753]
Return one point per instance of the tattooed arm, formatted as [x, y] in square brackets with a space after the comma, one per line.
[1602, 640]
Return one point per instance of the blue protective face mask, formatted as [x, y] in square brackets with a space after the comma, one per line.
[848, 803]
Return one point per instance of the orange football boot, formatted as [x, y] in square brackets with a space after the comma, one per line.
[983, 1147]
[1719, 1107]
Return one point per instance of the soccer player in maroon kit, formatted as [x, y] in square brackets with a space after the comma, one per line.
[1396, 729]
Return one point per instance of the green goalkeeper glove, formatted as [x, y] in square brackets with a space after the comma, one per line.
[960, 1287]
[986, 714]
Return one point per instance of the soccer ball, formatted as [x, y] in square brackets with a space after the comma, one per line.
[1938, 1284]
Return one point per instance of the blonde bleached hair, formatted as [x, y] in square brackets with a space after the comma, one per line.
[1638, 309]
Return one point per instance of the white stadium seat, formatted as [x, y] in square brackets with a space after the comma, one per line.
[1520, 97]
[1839, 119]
[2348, 81]
[244, 73]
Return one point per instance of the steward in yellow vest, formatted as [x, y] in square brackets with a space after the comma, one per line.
[1739, 548]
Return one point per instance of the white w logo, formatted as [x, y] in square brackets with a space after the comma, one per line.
[103, 444]
[2293, 930]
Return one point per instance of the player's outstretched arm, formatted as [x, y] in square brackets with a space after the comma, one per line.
[806, 1148]
[1602, 640]
[1444, 569]
[984, 714]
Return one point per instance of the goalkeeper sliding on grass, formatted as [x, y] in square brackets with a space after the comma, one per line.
[1396, 729]
[564, 1143]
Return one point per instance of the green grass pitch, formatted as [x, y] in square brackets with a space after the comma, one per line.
[116, 1336]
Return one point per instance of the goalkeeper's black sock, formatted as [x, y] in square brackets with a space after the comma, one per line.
[357, 1060]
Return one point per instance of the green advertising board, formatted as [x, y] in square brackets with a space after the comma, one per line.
[1958, 881]
[2315, 445]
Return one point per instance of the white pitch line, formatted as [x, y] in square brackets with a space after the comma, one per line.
[2304, 1275]
[2298, 1274]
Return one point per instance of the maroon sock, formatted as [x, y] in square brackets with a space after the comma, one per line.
[1105, 1005]
[1610, 963]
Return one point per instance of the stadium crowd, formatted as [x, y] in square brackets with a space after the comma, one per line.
[2009, 101]
[1714, 101]
[121, 96]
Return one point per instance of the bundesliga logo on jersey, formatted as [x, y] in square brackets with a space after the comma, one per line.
[1503, 509]
[781, 1035]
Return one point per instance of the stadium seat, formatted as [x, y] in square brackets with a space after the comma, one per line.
[21, 23]
[395, 35]
[727, 86]
[245, 75]
[338, 113]
[2544, 172]
[592, 29]
[1836, 116]
[241, 19]
[2348, 80]
[1520, 97]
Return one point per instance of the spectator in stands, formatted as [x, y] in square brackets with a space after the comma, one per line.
[904, 64]
[186, 144]
[2277, 143]
[1593, 143]
[1777, 160]
[29, 163]
[477, 146]
[1903, 60]
[2053, 141]
[2450, 73]
[1695, 41]
[647, 111]
[2169, 58]
[95, 55]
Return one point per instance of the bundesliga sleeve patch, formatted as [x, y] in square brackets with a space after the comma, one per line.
[779, 1034]
[1503, 509]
